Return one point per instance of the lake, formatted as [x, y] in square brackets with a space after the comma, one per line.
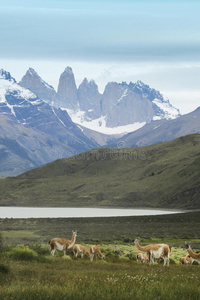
[82, 212]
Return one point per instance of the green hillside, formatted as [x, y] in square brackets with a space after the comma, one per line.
[164, 175]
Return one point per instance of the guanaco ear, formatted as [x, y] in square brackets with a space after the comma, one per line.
[187, 245]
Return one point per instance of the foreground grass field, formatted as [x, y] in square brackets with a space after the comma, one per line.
[37, 276]
[28, 272]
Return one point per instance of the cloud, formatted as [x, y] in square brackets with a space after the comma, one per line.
[157, 42]
[129, 31]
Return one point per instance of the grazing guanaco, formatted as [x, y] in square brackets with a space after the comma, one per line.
[95, 252]
[155, 251]
[141, 257]
[77, 248]
[186, 260]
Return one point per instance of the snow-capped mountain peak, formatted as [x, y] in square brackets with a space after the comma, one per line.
[16, 101]
[33, 132]
[31, 75]
[6, 75]
[145, 90]
[32, 81]
[32, 71]
[120, 105]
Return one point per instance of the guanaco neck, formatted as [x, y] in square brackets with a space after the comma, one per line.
[142, 248]
[193, 254]
[87, 253]
[73, 240]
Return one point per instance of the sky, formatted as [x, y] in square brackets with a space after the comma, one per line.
[157, 42]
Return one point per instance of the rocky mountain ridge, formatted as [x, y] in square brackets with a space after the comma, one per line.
[33, 132]
[121, 104]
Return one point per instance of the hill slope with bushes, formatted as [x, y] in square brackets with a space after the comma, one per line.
[164, 175]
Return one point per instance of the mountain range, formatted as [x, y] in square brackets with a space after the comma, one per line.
[36, 127]
[122, 107]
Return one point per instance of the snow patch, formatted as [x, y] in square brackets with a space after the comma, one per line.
[156, 127]
[12, 109]
[123, 96]
[99, 124]
[57, 116]
[169, 111]
[11, 87]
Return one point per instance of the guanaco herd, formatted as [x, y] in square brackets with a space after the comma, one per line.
[64, 244]
[152, 252]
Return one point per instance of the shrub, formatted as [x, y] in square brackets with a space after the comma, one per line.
[67, 257]
[40, 249]
[172, 261]
[70, 252]
[1, 243]
[124, 258]
[195, 263]
[4, 269]
[127, 240]
[131, 256]
[111, 253]
[44, 259]
[22, 254]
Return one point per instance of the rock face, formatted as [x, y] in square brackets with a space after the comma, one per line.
[41, 133]
[67, 90]
[121, 104]
[32, 81]
[89, 99]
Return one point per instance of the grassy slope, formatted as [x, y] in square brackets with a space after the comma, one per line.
[162, 175]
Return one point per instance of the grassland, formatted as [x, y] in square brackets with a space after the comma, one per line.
[81, 279]
[28, 272]
[165, 175]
